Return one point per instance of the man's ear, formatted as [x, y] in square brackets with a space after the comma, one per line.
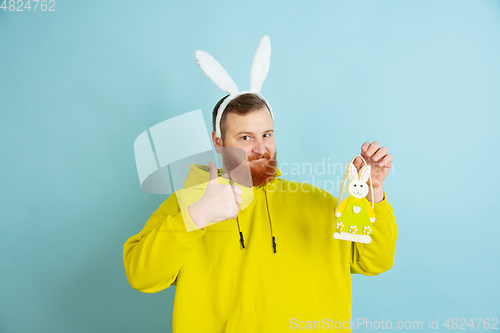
[217, 142]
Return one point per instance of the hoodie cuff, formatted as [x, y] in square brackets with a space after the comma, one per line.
[382, 209]
[185, 229]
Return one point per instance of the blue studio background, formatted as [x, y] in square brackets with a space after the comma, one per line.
[78, 85]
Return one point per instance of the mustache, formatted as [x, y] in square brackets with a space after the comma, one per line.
[266, 156]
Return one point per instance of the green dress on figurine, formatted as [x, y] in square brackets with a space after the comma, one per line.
[354, 219]
[355, 215]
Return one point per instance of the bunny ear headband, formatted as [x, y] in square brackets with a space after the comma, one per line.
[219, 76]
[347, 174]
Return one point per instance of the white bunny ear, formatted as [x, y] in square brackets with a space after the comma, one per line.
[365, 173]
[353, 172]
[260, 64]
[216, 72]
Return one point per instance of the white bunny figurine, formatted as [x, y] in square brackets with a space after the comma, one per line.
[355, 214]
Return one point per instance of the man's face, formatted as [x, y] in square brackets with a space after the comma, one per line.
[253, 133]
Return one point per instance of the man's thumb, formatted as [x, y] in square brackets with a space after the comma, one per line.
[213, 174]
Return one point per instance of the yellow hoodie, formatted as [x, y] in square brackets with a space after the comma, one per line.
[221, 287]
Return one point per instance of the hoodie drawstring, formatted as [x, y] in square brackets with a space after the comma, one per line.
[270, 224]
[241, 234]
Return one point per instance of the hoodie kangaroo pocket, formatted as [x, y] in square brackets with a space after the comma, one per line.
[268, 321]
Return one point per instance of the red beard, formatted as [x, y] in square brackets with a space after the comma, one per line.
[263, 171]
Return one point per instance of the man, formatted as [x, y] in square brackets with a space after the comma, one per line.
[288, 272]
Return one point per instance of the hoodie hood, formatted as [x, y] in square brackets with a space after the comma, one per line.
[197, 181]
[200, 174]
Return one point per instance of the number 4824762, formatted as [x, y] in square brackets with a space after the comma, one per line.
[462, 324]
[20, 5]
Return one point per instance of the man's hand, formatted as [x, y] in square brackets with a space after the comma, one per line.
[218, 203]
[380, 163]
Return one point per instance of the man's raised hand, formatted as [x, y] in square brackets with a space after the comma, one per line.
[218, 203]
[380, 162]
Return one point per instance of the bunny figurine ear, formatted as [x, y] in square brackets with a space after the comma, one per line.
[364, 173]
[260, 64]
[216, 72]
[353, 172]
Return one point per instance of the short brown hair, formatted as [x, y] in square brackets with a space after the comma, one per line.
[241, 105]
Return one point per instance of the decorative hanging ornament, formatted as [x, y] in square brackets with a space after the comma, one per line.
[355, 215]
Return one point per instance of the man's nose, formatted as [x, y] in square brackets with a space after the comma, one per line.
[259, 147]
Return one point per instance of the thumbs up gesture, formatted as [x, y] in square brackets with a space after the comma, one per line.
[218, 203]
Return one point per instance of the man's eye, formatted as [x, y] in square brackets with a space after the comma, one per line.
[268, 135]
[244, 137]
